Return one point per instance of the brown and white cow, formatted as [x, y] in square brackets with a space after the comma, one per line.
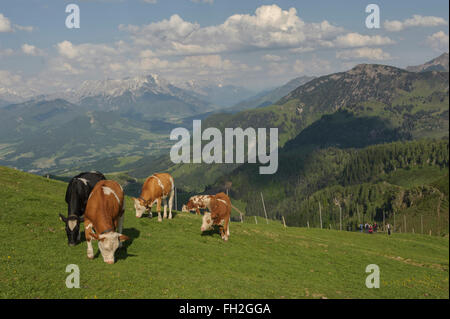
[103, 215]
[196, 203]
[155, 189]
[220, 215]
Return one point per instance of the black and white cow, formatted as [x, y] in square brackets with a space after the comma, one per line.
[77, 195]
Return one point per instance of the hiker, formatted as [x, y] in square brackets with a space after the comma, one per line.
[361, 227]
[370, 229]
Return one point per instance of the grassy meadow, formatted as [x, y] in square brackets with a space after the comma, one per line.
[173, 259]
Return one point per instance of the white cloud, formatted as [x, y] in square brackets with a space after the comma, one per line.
[364, 53]
[269, 27]
[67, 50]
[29, 49]
[5, 24]
[358, 40]
[272, 58]
[415, 21]
[23, 28]
[438, 41]
[8, 79]
[150, 1]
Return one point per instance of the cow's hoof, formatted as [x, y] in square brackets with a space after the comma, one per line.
[90, 256]
[160, 220]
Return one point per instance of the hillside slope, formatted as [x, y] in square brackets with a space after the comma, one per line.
[369, 104]
[173, 260]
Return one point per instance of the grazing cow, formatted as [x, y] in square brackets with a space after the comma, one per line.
[196, 203]
[155, 189]
[220, 214]
[104, 214]
[77, 195]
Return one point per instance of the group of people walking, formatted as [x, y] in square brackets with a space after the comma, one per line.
[370, 229]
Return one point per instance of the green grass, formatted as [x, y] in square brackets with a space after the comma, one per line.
[173, 260]
[416, 176]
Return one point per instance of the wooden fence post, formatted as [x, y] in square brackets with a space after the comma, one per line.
[176, 200]
[404, 218]
[307, 223]
[320, 215]
[256, 221]
[264, 206]
[421, 224]
[284, 222]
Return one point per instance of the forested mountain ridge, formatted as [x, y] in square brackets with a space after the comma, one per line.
[364, 183]
[369, 104]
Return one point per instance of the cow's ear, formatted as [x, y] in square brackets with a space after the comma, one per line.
[123, 237]
[62, 218]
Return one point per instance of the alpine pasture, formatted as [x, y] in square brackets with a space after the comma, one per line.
[173, 259]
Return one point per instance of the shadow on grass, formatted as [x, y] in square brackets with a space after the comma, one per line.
[121, 253]
[155, 215]
[211, 232]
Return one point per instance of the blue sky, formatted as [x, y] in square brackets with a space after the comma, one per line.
[256, 44]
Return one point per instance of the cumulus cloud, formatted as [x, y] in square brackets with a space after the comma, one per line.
[272, 58]
[8, 79]
[376, 54]
[415, 21]
[29, 49]
[269, 27]
[7, 26]
[438, 41]
[358, 40]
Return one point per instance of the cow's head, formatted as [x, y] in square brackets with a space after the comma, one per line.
[207, 222]
[72, 228]
[188, 206]
[139, 206]
[108, 244]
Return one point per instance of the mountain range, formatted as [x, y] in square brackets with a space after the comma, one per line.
[437, 64]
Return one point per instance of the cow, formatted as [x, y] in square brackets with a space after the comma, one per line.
[219, 215]
[156, 188]
[196, 203]
[77, 195]
[104, 214]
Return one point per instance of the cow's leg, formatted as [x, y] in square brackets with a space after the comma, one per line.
[171, 203]
[150, 214]
[227, 229]
[197, 211]
[222, 234]
[87, 233]
[165, 208]
[120, 228]
[158, 208]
